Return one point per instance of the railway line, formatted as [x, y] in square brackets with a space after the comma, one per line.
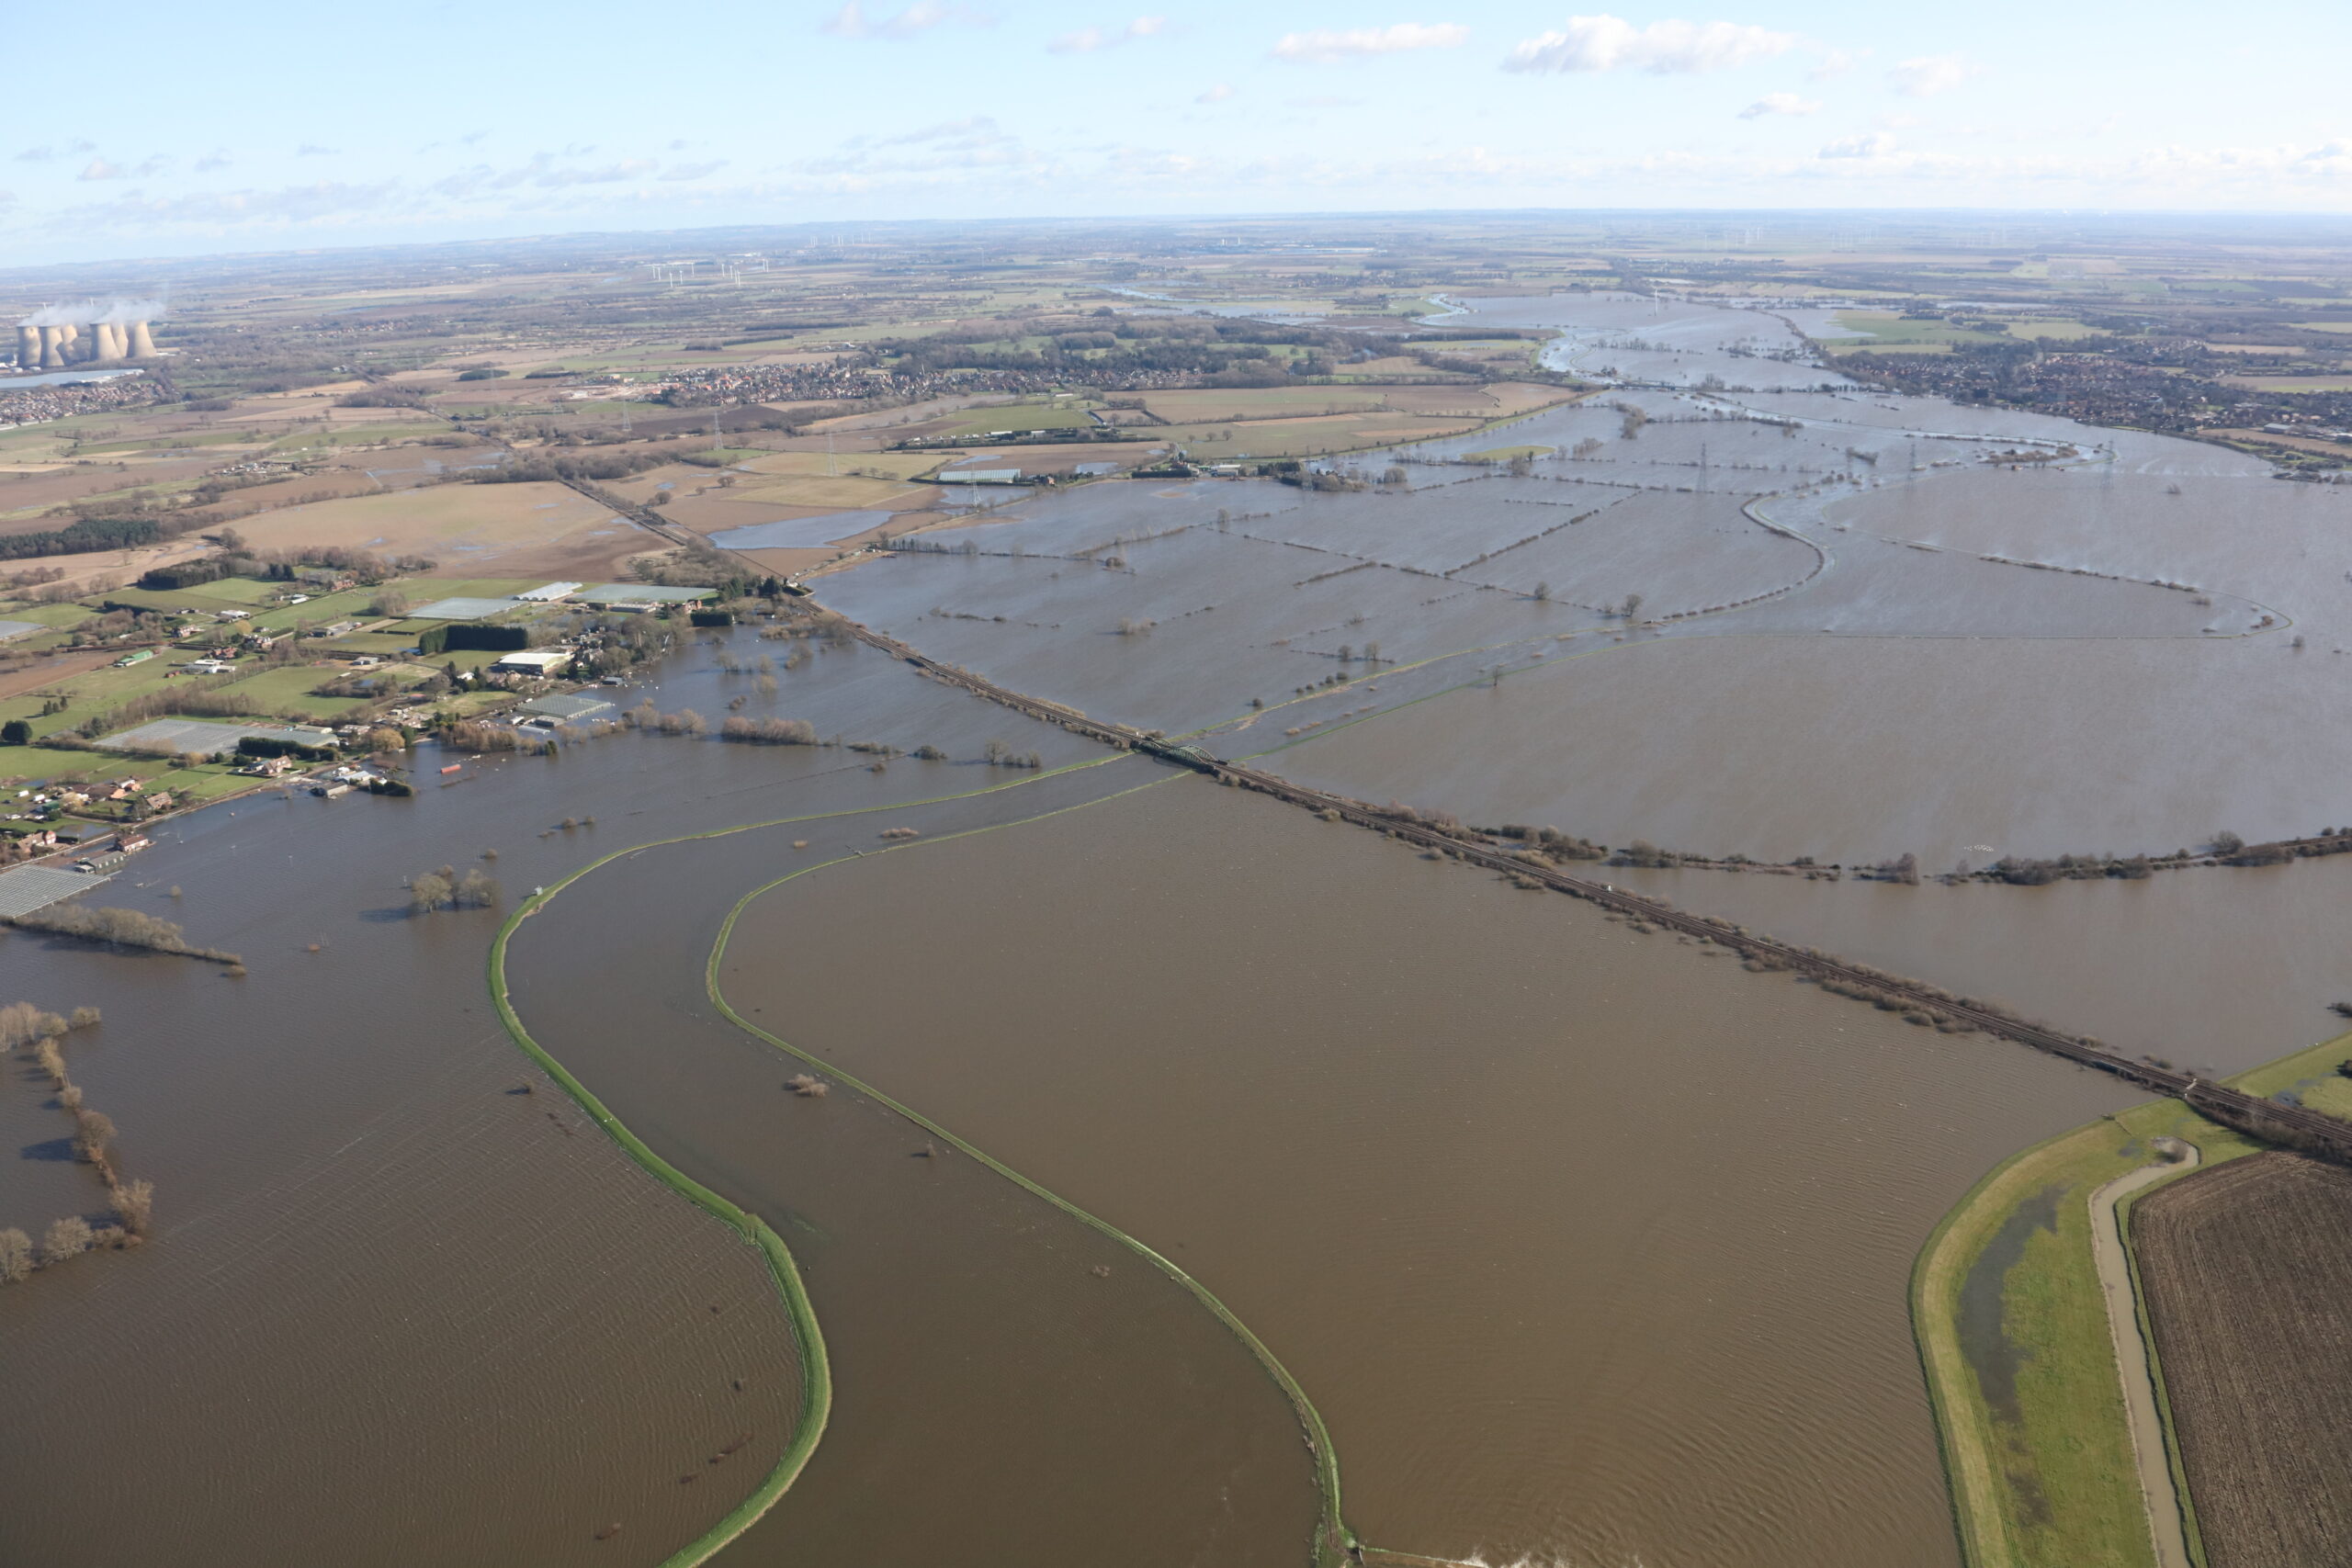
[2270, 1119]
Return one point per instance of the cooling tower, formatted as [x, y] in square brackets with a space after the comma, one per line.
[143, 343]
[70, 348]
[114, 344]
[28, 348]
[52, 348]
[101, 347]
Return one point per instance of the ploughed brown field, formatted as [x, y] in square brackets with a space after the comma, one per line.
[2248, 1274]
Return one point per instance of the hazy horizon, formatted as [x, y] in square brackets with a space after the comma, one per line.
[311, 131]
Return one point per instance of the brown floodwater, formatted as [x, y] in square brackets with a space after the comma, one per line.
[1932, 648]
[394, 1312]
[1587, 1244]
[1590, 1247]
[2222, 967]
[1011, 1386]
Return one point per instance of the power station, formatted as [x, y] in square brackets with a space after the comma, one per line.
[54, 345]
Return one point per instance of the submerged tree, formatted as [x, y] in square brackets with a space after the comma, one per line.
[428, 892]
[16, 1256]
[134, 1206]
[68, 1238]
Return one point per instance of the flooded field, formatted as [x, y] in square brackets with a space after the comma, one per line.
[2221, 968]
[359, 1212]
[1589, 1246]
[1923, 627]
[1014, 1388]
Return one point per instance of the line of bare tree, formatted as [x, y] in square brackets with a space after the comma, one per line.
[132, 1203]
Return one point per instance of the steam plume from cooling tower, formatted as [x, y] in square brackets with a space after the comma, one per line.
[117, 310]
[51, 338]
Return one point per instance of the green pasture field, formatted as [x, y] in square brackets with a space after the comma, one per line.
[1887, 329]
[379, 643]
[1029, 413]
[351, 605]
[2061, 330]
[71, 613]
[2294, 383]
[285, 693]
[28, 764]
[2049, 1481]
[1211, 404]
[1301, 437]
[179, 441]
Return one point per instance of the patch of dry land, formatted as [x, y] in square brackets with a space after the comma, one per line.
[476, 530]
[2247, 1272]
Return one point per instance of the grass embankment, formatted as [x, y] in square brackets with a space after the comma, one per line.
[1332, 1537]
[2013, 1339]
[817, 1387]
[816, 1370]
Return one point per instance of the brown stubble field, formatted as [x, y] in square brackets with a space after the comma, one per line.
[2248, 1272]
[471, 530]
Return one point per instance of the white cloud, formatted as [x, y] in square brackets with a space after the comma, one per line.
[217, 159]
[1324, 44]
[978, 142]
[313, 149]
[1780, 103]
[1872, 144]
[851, 20]
[1662, 49]
[324, 204]
[1215, 94]
[692, 171]
[541, 172]
[100, 169]
[1086, 41]
[1929, 74]
[46, 151]
[1837, 63]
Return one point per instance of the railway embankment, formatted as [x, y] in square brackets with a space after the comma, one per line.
[2271, 1121]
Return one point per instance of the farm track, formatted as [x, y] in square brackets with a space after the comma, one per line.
[2135, 1361]
[2272, 1120]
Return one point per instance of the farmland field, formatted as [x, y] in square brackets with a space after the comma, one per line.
[513, 529]
[2247, 1272]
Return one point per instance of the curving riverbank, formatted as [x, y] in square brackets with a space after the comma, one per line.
[816, 1395]
[1333, 1540]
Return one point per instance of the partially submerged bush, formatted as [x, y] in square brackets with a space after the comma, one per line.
[446, 889]
[68, 1238]
[118, 928]
[16, 1256]
[769, 731]
[134, 1206]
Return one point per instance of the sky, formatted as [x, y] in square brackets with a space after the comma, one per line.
[268, 126]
